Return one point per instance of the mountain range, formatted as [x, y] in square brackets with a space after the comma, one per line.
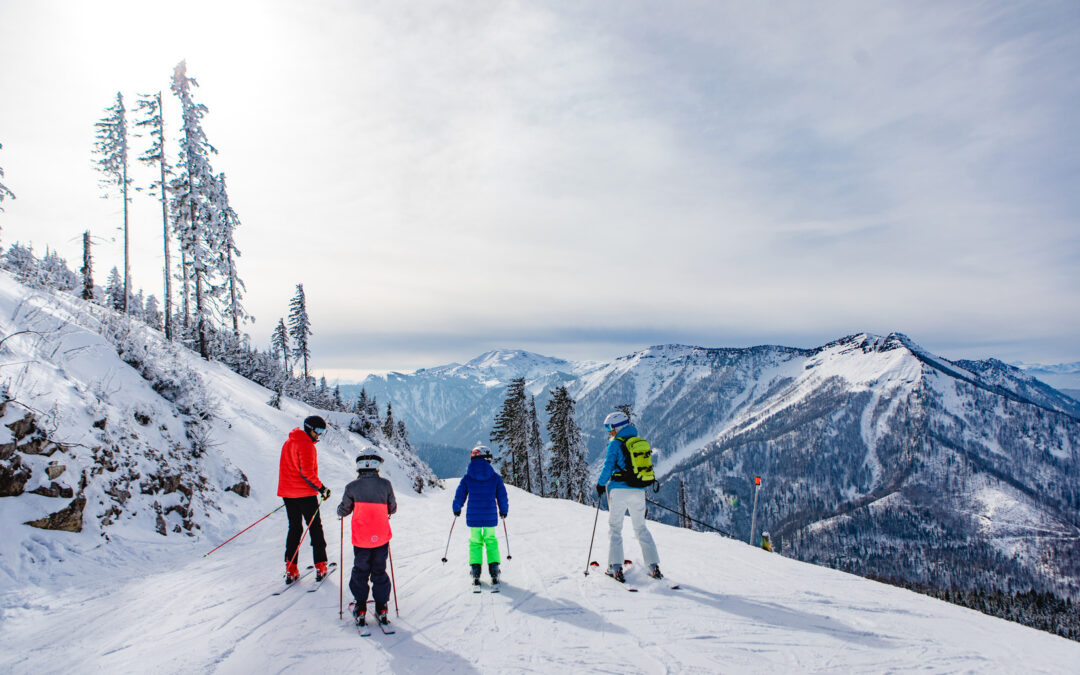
[876, 456]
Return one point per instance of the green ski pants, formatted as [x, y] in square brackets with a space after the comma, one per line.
[481, 538]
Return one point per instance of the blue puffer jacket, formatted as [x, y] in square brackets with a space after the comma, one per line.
[483, 488]
[615, 462]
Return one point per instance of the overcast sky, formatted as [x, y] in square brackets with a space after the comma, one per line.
[586, 179]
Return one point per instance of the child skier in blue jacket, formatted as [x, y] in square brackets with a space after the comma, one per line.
[486, 494]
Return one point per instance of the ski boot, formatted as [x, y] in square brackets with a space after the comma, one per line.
[493, 570]
[654, 572]
[475, 571]
[381, 614]
[615, 571]
[320, 571]
[292, 572]
[359, 614]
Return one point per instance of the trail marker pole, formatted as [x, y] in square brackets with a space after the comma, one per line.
[753, 517]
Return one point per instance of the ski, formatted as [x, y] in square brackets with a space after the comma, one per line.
[673, 587]
[295, 582]
[318, 582]
[475, 585]
[385, 627]
[496, 586]
[629, 588]
[362, 629]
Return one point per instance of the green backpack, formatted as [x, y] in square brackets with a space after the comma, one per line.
[638, 455]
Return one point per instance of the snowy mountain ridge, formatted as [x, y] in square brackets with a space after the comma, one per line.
[130, 596]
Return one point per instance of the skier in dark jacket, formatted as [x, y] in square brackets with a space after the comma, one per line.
[370, 499]
[486, 494]
[298, 486]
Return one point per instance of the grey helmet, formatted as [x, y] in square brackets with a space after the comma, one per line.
[368, 460]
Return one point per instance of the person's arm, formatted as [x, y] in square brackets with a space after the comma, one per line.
[391, 503]
[500, 497]
[309, 467]
[460, 496]
[613, 449]
[346, 505]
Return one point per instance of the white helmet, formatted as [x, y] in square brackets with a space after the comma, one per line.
[368, 460]
[616, 420]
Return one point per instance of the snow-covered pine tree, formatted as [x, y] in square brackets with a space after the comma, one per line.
[112, 146]
[152, 312]
[150, 119]
[279, 342]
[5, 193]
[227, 253]
[300, 328]
[336, 401]
[194, 196]
[87, 269]
[568, 470]
[511, 431]
[114, 290]
[388, 427]
[401, 436]
[536, 448]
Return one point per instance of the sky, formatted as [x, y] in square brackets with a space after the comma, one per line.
[586, 179]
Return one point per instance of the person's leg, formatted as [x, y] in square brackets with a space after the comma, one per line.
[315, 532]
[296, 526]
[380, 580]
[476, 551]
[635, 504]
[491, 544]
[358, 582]
[616, 511]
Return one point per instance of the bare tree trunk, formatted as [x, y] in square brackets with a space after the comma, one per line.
[127, 259]
[165, 235]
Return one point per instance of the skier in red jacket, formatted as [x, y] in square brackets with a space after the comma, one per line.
[299, 485]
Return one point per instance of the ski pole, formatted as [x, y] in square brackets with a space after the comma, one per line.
[341, 573]
[448, 539]
[297, 552]
[246, 529]
[505, 534]
[393, 582]
[593, 536]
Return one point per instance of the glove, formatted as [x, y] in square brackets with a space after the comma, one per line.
[502, 515]
[457, 513]
[600, 490]
[324, 492]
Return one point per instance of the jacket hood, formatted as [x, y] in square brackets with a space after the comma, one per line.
[480, 469]
[627, 432]
[299, 434]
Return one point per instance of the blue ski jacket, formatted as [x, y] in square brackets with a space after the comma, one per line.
[615, 461]
[484, 489]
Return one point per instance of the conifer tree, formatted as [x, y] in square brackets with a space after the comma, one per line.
[511, 431]
[5, 193]
[336, 400]
[227, 253]
[279, 341]
[195, 197]
[151, 120]
[87, 269]
[112, 146]
[536, 448]
[114, 290]
[568, 471]
[388, 427]
[300, 328]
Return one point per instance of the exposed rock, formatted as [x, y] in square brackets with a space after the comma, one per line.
[54, 490]
[142, 418]
[13, 477]
[7, 450]
[68, 519]
[23, 427]
[54, 470]
[242, 488]
[100, 424]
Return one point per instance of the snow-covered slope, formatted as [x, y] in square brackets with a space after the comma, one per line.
[125, 594]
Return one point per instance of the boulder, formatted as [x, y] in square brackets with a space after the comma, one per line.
[67, 519]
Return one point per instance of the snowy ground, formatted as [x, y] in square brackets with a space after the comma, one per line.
[159, 606]
[144, 603]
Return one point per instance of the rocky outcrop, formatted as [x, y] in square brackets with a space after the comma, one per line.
[67, 519]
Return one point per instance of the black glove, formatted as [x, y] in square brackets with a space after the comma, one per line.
[324, 492]
[600, 490]
[457, 513]
[502, 515]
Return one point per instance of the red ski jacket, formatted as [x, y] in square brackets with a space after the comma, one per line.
[298, 475]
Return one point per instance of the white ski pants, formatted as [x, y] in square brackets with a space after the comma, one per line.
[621, 500]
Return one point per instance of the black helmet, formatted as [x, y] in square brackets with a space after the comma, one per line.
[315, 425]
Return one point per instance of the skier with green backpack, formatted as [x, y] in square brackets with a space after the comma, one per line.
[627, 472]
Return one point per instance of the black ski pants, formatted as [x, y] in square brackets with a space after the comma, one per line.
[301, 510]
[370, 563]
